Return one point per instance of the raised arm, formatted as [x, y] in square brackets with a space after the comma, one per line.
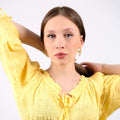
[111, 69]
[104, 68]
[14, 58]
[28, 37]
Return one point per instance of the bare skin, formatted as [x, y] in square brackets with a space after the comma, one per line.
[61, 35]
[28, 37]
[104, 68]
[68, 82]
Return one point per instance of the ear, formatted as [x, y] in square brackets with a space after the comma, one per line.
[81, 41]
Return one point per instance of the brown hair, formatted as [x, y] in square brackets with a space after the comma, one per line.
[66, 12]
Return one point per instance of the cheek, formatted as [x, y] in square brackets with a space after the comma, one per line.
[73, 50]
[75, 46]
[46, 44]
[48, 48]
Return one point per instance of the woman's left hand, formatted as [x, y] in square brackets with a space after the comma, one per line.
[108, 69]
[92, 67]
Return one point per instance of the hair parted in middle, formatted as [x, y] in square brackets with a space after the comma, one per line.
[66, 12]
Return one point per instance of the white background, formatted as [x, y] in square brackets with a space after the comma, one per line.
[102, 23]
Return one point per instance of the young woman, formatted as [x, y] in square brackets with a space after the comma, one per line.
[59, 93]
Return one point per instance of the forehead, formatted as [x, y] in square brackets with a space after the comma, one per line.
[60, 22]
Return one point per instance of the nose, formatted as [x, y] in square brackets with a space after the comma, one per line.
[60, 43]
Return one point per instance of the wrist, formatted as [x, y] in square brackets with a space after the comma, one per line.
[103, 68]
[106, 69]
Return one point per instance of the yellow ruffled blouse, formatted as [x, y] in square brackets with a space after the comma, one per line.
[38, 97]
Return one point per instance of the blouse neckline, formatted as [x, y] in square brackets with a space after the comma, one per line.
[74, 92]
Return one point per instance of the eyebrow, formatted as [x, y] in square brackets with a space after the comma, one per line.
[49, 31]
[66, 29]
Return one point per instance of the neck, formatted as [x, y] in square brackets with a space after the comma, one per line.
[63, 72]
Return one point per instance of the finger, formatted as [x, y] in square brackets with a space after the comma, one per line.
[84, 63]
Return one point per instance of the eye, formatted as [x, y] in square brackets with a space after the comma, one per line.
[51, 36]
[68, 35]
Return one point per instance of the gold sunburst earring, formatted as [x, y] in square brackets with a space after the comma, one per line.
[79, 51]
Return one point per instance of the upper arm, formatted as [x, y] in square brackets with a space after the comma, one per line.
[28, 37]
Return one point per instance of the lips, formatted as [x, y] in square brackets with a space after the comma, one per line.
[60, 55]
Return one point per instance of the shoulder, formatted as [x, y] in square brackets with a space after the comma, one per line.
[96, 77]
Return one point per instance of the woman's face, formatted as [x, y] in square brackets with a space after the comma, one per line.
[62, 40]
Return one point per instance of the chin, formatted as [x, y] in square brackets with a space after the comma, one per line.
[62, 62]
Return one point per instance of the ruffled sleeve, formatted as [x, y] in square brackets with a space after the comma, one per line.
[110, 100]
[13, 56]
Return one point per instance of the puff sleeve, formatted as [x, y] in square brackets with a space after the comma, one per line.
[110, 99]
[13, 56]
